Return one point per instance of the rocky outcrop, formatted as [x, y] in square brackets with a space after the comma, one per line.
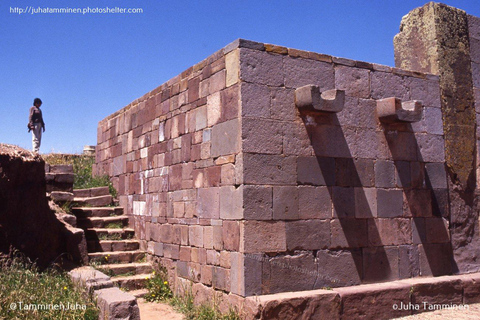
[26, 221]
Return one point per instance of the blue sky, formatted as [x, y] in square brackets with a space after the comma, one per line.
[85, 67]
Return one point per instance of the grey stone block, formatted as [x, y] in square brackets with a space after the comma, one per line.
[435, 175]
[384, 174]
[389, 203]
[317, 171]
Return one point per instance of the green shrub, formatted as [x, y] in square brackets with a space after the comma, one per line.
[158, 287]
[27, 293]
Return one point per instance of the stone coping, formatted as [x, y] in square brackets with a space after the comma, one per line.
[274, 49]
[370, 301]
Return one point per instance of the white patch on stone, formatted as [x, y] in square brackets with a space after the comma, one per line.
[139, 208]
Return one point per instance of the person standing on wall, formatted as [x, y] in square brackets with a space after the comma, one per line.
[36, 124]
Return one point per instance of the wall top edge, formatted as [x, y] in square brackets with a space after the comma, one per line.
[273, 49]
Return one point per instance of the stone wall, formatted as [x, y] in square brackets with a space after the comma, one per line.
[231, 185]
[27, 223]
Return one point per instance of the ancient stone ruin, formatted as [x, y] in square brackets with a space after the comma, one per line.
[265, 169]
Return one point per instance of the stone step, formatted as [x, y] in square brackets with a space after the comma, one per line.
[139, 293]
[134, 282]
[121, 269]
[99, 201]
[91, 192]
[83, 212]
[112, 245]
[109, 257]
[103, 222]
[108, 234]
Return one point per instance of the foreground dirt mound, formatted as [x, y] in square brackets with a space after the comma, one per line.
[26, 221]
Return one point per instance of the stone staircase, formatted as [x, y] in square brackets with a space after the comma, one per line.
[111, 244]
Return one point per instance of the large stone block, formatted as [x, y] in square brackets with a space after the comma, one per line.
[116, 304]
[343, 202]
[231, 235]
[316, 171]
[339, 268]
[355, 82]
[348, 233]
[261, 67]
[389, 203]
[358, 113]
[314, 203]
[208, 203]
[374, 301]
[386, 232]
[259, 202]
[380, 264]
[384, 174]
[354, 173]
[282, 105]
[289, 273]
[431, 148]
[263, 236]
[269, 169]
[285, 203]
[308, 234]
[231, 202]
[225, 138]
[195, 236]
[255, 100]
[246, 273]
[365, 202]
[435, 259]
[262, 136]
[301, 72]
[384, 85]
[315, 304]
[435, 175]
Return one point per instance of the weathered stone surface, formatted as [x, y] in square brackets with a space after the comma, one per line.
[374, 301]
[260, 202]
[262, 136]
[116, 304]
[389, 203]
[269, 169]
[355, 82]
[315, 304]
[61, 196]
[338, 268]
[301, 72]
[285, 203]
[308, 234]
[314, 203]
[289, 273]
[226, 138]
[262, 236]
[261, 67]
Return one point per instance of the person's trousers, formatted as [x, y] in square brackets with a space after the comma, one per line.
[36, 136]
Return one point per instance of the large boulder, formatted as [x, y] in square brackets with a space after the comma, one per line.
[26, 221]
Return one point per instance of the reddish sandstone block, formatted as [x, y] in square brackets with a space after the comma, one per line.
[384, 85]
[384, 174]
[230, 101]
[184, 254]
[193, 89]
[296, 140]
[437, 230]
[207, 275]
[441, 290]
[385, 232]
[471, 289]
[218, 81]
[225, 138]
[435, 259]
[417, 203]
[365, 202]
[227, 174]
[430, 147]
[231, 202]
[195, 236]
[374, 301]
[354, 173]
[213, 176]
[231, 235]
[208, 203]
[389, 203]
[343, 202]
[315, 304]
[262, 236]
